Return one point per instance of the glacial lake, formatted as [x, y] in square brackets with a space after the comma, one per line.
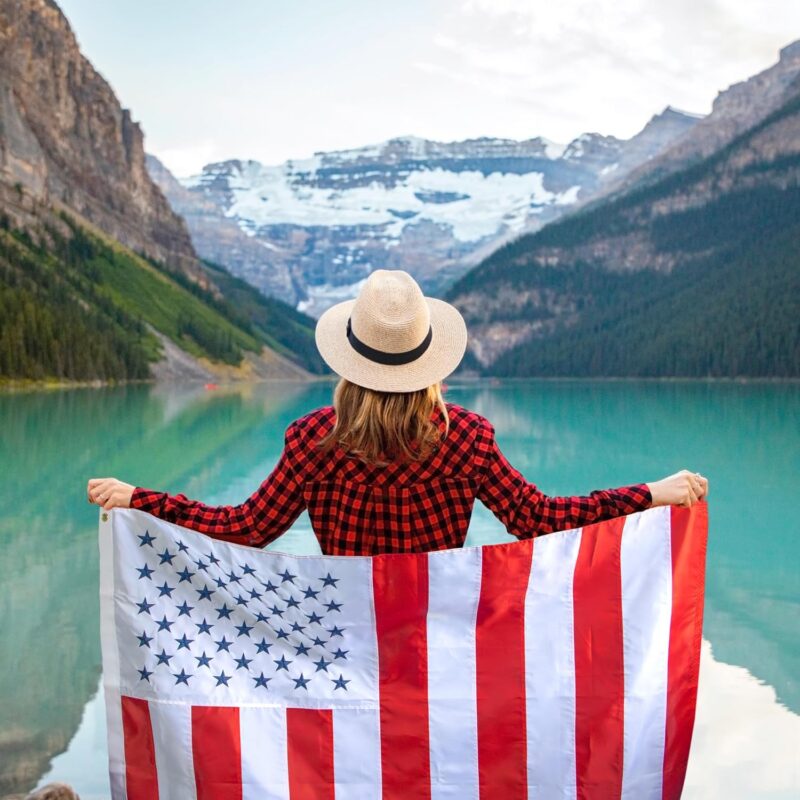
[569, 437]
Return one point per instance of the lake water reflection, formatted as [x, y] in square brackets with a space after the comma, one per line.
[568, 437]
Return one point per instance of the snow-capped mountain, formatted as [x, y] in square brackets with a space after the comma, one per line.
[310, 230]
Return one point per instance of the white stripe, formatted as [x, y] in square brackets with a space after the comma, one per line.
[172, 738]
[454, 586]
[550, 666]
[265, 769]
[110, 653]
[646, 610]
[357, 753]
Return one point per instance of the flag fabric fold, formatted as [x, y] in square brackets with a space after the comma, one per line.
[564, 666]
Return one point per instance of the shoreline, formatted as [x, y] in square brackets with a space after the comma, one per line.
[14, 385]
[11, 385]
[18, 385]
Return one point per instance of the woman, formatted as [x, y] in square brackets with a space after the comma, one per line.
[390, 466]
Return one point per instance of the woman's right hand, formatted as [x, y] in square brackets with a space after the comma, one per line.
[109, 493]
[684, 488]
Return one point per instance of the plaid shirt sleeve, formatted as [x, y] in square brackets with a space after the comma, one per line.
[265, 515]
[526, 512]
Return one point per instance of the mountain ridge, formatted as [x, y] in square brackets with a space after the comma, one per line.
[310, 230]
[734, 110]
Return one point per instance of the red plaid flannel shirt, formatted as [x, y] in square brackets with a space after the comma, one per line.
[357, 509]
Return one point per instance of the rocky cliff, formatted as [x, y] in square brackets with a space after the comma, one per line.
[735, 110]
[65, 140]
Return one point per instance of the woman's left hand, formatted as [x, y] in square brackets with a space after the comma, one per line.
[109, 493]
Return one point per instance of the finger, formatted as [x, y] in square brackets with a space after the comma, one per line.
[102, 488]
[99, 483]
[701, 486]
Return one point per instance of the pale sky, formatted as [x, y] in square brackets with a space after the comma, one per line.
[277, 79]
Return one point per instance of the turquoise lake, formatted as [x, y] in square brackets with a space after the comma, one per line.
[568, 437]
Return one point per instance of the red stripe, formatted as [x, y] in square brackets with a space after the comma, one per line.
[689, 541]
[500, 670]
[400, 587]
[141, 776]
[309, 738]
[599, 674]
[217, 752]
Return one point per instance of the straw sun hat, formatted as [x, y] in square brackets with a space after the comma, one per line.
[391, 338]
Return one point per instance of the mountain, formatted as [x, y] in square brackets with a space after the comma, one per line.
[309, 231]
[83, 227]
[221, 240]
[695, 273]
[735, 110]
[661, 134]
[68, 142]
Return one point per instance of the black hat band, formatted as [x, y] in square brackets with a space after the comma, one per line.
[382, 357]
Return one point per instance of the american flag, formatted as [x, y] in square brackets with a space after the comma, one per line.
[564, 666]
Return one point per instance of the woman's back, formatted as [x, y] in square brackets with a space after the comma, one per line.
[404, 506]
[357, 508]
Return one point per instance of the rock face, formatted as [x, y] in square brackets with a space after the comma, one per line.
[734, 110]
[65, 139]
[310, 231]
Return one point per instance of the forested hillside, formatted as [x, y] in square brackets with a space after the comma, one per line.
[76, 305]
[696, 274]
[281, 326]
[736, 314]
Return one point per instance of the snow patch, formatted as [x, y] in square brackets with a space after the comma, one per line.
[480, 205]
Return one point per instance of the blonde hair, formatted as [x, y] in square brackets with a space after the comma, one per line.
[380, 427]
